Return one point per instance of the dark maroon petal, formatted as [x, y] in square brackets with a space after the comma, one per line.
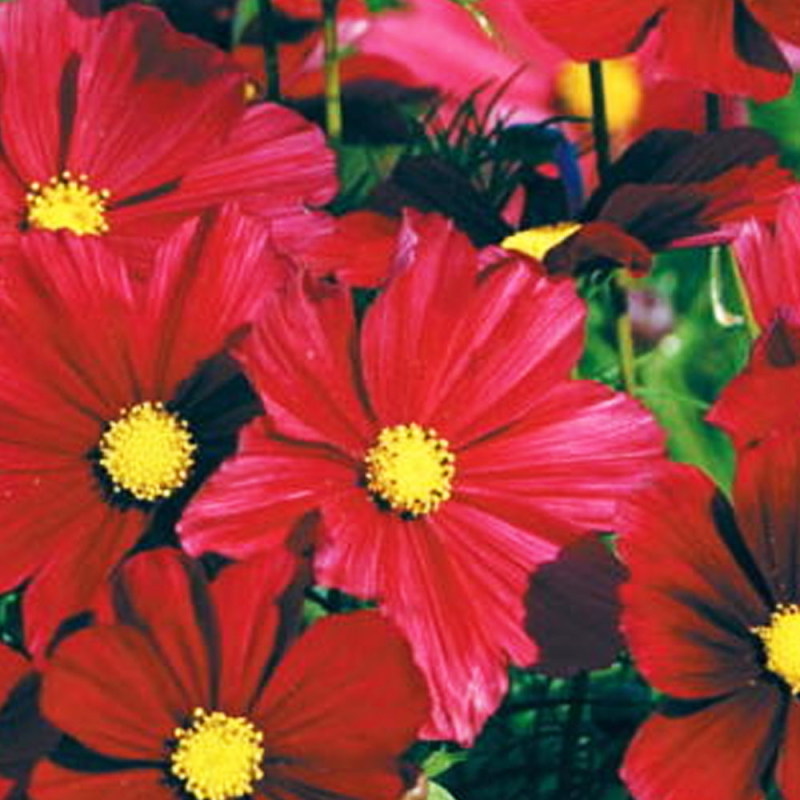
[598, 246]
[720, 752]
[573, 609]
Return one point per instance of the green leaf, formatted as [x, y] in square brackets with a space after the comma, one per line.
[438, 792]
[440, 761]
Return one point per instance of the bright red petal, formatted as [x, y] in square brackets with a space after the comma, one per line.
[580, 448]
[780, 17]
[209, 279]
[150, 102]
[245, 598]
[769, 261]
[768, 509]
[325, 710]
[89, 547]
[617, 28]
[301, 359]
[254, 500]
[51, 782]
[109, 688]
[719, 46]
[163, 594]
[787, 772]
[40, 46]
[718, 753]
[454, 583]
[273, 162]
[688, 607]
[440, 334]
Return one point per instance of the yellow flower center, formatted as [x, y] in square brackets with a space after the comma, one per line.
[538, 242]
[410, 468]
[218, 757]
[148, 451]
[68, 203]
[623, 85]
[781, 640]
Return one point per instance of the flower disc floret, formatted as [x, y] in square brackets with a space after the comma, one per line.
[781, 640]
[217, 756]
[537, 242]
[147, 452]
[410, 468]
[68, 202]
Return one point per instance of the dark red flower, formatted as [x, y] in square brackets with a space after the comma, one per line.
[712, 617]
[104, 416]
[445, 445]
[723, 46]
[671, 188]
[192, 692]
[24, 736]
[119, 127]
[762, 398]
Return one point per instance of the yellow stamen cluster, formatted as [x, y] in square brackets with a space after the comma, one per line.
[622, 82]
[218, 757]
[781, 640]
[67, 202]
[410, 468]
[538, 242]
[147, 452]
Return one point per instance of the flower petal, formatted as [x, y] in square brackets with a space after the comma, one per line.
[51, 782]
[107, 687]
[718, 753]
[254, 500]
[150, 101]
[324, 710]
[688, 607]
[163, 594]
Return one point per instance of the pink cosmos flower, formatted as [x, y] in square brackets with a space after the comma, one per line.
[445, 446]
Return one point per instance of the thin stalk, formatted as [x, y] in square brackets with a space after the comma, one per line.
[572, 732]
[333, 81]
[602, 140]
[713, 112]
[744, 298]
[269, 41]
[626, 353]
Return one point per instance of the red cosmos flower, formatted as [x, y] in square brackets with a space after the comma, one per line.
[723, 46]
[24, 735]
[193, 694]
[104, 416]
[119, 127]
[762, 398]
[444, 444]
[712, 617]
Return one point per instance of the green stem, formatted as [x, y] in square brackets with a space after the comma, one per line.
[744, 299]
[269, 42]
[713, 112]
[602, 141]
[333, 83]
[572, 730]
[624, 329]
